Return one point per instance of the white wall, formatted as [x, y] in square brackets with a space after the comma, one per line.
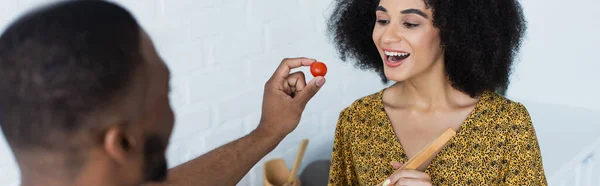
[557, 77]
[236, 44]
[563, 132]
[559, 62]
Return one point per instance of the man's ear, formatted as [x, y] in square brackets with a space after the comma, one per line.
[119, 144]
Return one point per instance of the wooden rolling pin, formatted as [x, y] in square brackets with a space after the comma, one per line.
[426, 153]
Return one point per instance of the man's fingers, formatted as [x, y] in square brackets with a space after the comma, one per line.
[288, 64]
[287, 89]
[296, 81]
[310, 90]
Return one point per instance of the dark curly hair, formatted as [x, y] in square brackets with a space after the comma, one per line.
[480, 39]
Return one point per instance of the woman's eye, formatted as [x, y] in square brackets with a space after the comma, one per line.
[383, 21]
[410, 25]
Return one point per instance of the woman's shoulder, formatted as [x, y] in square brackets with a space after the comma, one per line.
[363, 113]
[501, 108]
[366, 104]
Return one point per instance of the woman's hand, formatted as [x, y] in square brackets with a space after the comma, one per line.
[408, 177]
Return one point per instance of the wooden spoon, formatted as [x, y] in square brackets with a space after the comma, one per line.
[299, 157]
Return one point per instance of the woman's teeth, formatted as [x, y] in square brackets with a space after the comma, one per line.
[396, 56]
[395, 53]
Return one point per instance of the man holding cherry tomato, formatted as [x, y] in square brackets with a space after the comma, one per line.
[85, 101]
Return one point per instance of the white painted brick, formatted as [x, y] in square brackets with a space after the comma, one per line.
[229, 131]
[326, 98]
[215, 83]
[183, 55]
[26, 4]
[287, 36]
[194, 120]
[9, 172]
[180, 93]
[259, 68]
[269, 10]
[251, 122]
[239, 106]
[243, 42]
[329, 119]
[202, 21]
[168, 7]
[307, 128]
[8, 11]
[173, 155]
[192, 147]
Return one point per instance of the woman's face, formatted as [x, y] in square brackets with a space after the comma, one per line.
[406, 39]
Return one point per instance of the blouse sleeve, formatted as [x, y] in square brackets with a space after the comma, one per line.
[525, 160]
[341, 171]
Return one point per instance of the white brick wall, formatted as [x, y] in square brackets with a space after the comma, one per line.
[236, 45]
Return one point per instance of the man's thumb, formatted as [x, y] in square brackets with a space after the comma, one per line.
[311, 89]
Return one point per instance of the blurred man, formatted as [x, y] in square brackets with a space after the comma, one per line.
[84, 101]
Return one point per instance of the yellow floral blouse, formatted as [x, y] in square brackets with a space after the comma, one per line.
[496, 145]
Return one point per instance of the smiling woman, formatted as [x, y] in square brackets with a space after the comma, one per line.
[447, 59]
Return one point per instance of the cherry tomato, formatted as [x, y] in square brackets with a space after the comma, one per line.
[318, 69]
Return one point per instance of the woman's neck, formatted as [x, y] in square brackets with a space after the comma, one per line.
[427, 91]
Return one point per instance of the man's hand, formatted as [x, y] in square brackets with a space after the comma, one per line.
[286, 96]
[407, 177]
[284, 100]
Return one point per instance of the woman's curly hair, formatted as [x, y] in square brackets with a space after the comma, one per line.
[480, 39]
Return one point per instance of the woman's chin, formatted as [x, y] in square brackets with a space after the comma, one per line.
[393, 75]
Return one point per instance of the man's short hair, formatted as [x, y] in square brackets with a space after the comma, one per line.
[61, 63]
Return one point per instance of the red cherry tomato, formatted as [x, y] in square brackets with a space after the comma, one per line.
[318, 69]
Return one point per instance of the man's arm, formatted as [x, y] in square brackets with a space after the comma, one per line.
[284, 100]
[225, 165]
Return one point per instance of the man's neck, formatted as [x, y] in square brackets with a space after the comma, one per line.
[49, 180]
[58, 174]
[38, 177]
[25, 181]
